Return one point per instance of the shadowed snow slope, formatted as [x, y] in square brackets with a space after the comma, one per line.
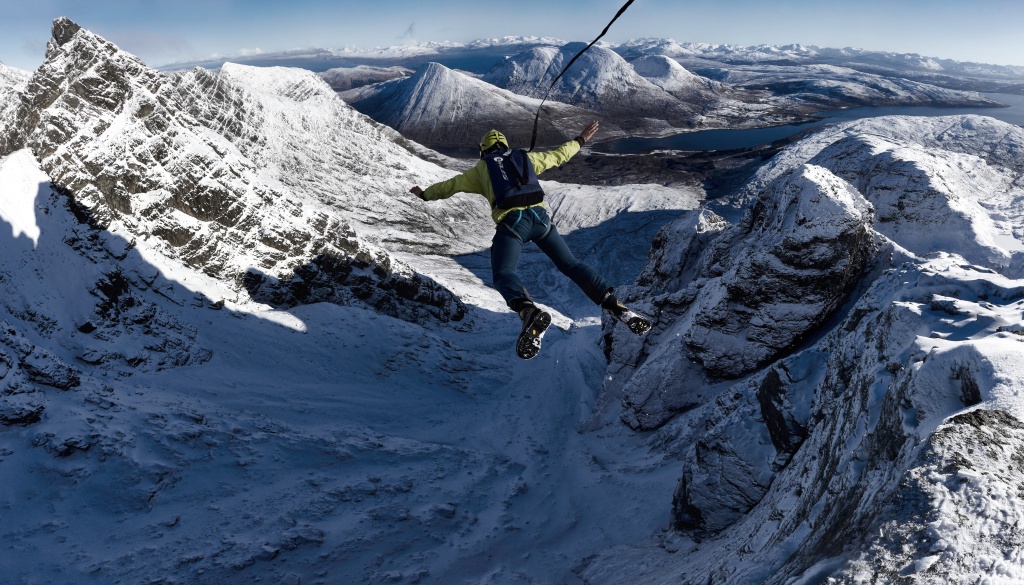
[878, 452]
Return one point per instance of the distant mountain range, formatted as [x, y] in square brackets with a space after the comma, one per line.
[793, 54]
[654, 87]
[643, 86]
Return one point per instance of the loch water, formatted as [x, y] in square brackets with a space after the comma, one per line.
[737, 139]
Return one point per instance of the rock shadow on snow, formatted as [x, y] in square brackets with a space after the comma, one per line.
[327, 278]
[77, 300]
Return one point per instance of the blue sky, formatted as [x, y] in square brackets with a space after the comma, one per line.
[166, 31]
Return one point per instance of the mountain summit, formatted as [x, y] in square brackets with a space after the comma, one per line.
[186, 160]
[600, 80]
[447, 108]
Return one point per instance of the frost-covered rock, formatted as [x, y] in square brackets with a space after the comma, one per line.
[38, 363]
[879, 452]
[12, 81]
[757, 290]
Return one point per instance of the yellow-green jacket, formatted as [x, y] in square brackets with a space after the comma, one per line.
[477, 180]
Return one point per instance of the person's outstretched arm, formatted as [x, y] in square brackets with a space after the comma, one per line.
[543, 161]
[467, 182]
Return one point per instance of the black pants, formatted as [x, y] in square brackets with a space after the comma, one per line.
[534, 225]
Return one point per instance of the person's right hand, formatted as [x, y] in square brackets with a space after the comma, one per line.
[417, 191]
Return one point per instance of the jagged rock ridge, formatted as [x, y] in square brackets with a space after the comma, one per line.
[183, 159]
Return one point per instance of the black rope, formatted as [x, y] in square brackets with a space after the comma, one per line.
[536, 120]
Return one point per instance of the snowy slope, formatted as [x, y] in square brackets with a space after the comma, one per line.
[669, 75]
[835, 377]
[322, 444]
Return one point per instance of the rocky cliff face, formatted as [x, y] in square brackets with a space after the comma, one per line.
[752, 292]
[863, 455]
[202, 162]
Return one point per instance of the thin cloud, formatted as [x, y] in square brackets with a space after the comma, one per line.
[410, 33]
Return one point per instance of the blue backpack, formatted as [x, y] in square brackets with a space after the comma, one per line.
[514, 181]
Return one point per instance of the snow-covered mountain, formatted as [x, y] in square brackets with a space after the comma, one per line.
[946, 73]
[669, 75]
[832, 387]
[441, 107]
[152, 156]
[832, 87]
[659, 86]
[883, 261]
[600, 80]
[653, 94]
[809, 54]
[161, 421]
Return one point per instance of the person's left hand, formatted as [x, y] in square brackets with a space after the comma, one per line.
[589, 131]
[417, 191]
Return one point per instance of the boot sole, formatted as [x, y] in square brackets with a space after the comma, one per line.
[528, 344]
[635, 323]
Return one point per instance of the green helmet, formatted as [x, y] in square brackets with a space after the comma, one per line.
[490, 140]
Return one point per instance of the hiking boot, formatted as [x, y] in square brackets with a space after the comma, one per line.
[535, 324]
[636, 322]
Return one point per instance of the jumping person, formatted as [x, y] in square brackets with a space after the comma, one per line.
[508, 179]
